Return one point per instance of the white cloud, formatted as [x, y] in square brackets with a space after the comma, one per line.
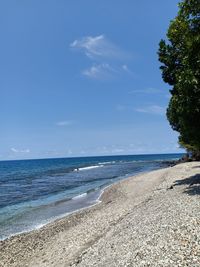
[126, 69]
[154, 109]
[20, 150]
[117, 150]
[101, 71]
[106, 57]
[98, 47]
[64, 123]
[69, 152]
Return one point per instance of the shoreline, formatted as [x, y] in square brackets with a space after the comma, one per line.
[87, 206]
[73, 239]
[62, 216]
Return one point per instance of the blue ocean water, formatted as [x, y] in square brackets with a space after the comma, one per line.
[35, 192]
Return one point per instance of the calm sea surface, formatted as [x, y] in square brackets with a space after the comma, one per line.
[35, 192]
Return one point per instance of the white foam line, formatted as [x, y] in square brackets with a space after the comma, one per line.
[107, 162]
[80, 196]
[90, 167]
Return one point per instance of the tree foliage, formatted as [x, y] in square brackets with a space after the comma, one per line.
[180, 58]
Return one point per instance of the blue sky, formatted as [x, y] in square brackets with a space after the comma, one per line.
[82, 78]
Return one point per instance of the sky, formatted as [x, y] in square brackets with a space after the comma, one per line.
[82, 78]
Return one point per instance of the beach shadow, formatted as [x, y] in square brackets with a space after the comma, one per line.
[193, 183]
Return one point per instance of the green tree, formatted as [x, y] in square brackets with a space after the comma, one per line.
[180, 58]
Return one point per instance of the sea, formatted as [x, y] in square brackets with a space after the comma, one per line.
[36, 192]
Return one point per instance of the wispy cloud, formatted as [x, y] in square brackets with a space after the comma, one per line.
[150, 109]
[20, 150]
[126, 69]
[98, 47]
[117, 150]
[154, 109]
[101, 71]
[106, 57]
[64, 123]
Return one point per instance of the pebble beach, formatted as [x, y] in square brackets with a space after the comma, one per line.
[152, 219]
